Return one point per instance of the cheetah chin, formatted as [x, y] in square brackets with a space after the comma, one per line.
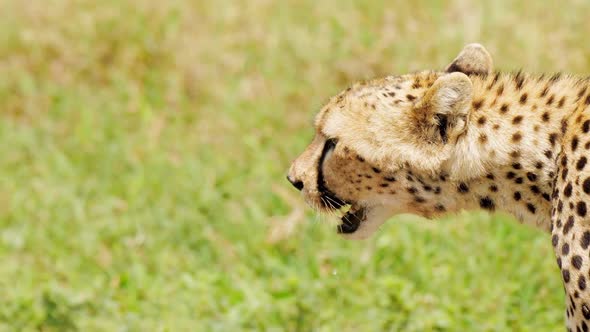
[351, 220]
[360, 222]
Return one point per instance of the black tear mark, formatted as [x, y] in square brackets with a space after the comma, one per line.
[335, 201]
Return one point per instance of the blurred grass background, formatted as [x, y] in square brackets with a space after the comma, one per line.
[144, 149]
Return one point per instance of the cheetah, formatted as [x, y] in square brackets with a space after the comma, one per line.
[466, 137]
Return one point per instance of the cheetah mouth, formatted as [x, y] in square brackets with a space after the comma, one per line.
[353, 214]
[351, 220]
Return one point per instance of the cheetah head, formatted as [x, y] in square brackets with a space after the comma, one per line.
[374, 133]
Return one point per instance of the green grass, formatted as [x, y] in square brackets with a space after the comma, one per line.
[144, 149]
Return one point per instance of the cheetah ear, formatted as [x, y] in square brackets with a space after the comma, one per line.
[442, 112]
[473, 59]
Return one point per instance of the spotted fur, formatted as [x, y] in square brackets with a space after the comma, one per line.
[436, 142]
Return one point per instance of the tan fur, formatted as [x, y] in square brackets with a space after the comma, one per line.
[504, 147]
[473, 59]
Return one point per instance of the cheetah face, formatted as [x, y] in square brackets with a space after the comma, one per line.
[370, 135]
[327, 174]
[336, 180]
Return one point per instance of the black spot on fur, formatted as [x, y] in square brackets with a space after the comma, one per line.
[477, 104]
[531, 176]
[575, 142]
[463, 188]
[517, 119]
[519, 80]
[516, 137]
[517, 196]
[581, 163]
[585, 241]
[440, 207]
[581, 208]
[481, 121]
[548, 154]
[487, 203]
[553, 138]
[504, 108]
[577, 261]
[531, 208]
[567, 191]
[544, 91]
[568, 225]
[550, 100]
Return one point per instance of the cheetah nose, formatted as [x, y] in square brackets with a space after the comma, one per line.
[296, 183]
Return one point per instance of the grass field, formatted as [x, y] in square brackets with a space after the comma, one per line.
[144, 150]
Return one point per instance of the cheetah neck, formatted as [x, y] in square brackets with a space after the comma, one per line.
[507, 158]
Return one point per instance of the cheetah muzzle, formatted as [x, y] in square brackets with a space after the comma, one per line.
[352, 219]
